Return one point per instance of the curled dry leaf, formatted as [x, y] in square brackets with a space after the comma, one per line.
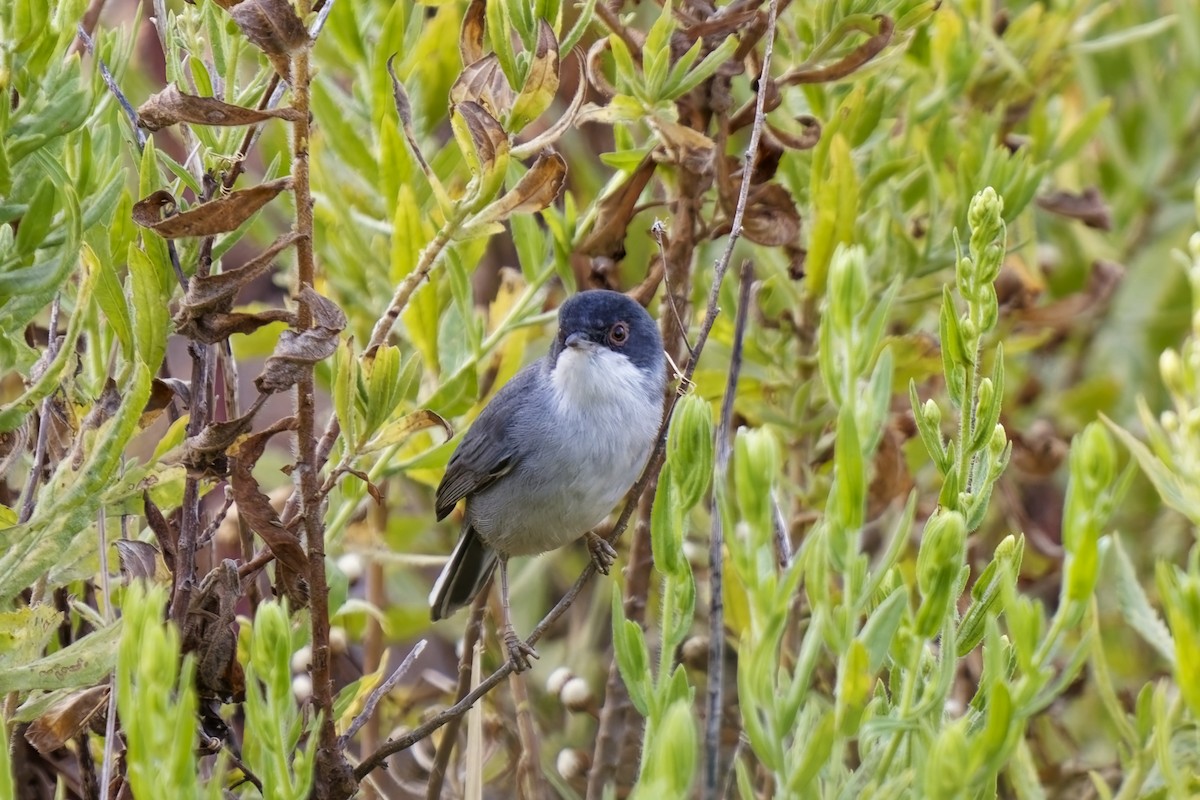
[171, 106]
[848, 63]
[205, 453]
[297, 351]
[537, 189]
[138, 559]
[483, 82]
[67, 718]
[470, 40]
[595, 68]
[273, 27]
[684, 146]
[1088, 207]
[616, 209]
[210, 633]
[207, 219]
[399, 430]
[255, 508]
[162, 392]
[806, 140]
[1062, 316]
[771, 218]
[487, 136]
[546, 139]
[204, 311]
[541, 84]
[166, 533]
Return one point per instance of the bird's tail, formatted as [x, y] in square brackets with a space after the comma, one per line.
[464, 576]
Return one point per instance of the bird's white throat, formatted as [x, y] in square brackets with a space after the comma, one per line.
[584, 378]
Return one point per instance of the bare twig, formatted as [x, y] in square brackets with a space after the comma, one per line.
[39, 452]
[380, 692]
[109, 81]
[716, 546]
[529, 783]
[437, 775]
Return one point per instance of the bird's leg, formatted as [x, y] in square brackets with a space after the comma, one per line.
[519, 652]
[603, 554]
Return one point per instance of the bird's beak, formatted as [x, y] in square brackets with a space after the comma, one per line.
[579, 341]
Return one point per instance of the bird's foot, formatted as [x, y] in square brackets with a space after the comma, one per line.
[603, 554]
[519, 651]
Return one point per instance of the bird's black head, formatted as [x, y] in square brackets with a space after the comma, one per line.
[600, 318]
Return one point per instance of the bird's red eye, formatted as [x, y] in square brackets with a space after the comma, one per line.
[619, 334]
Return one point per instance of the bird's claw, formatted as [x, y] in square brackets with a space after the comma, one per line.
[603, 554]
[519, 651]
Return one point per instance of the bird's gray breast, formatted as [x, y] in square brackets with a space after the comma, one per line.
[587, 431]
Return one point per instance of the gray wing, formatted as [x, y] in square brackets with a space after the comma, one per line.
[488, 450]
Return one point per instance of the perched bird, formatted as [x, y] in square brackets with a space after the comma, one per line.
[554, 451]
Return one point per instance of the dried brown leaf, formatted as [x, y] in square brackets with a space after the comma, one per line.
[325, 312]
[849, 63]
[400, 95]
[210, 631]
[487, 136]
[683, 146]
[215, 327]
[66, 719]
[205, 454]
[483, 82]
[546, 139]
[541, 84]
[255, 507]
[607, 237]
[1088, 207]
[138, 559]
[804, 141]
[470, 40]
[217, 216]
[167, 534]
[219, 291]
[771, 218]
[273, 27]
[297, 351]
[171, 106]
[537, 189]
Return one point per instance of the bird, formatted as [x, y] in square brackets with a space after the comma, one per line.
[554, 451]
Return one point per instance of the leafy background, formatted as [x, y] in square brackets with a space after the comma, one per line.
[935, 461]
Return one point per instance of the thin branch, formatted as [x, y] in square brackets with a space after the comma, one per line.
[381, 691]
[139, 132]
[39, 452]
[716, 547]
[437, 775]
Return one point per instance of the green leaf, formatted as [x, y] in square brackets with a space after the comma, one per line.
[881, 628]
[81, 663]
[1134, 604]
[151, 318]
[633, 657]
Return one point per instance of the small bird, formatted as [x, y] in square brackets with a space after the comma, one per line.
[554, 451]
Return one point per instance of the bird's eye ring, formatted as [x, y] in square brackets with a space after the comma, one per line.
[619, 334]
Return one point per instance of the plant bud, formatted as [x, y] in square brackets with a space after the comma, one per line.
[558, 679]
[577, 696]
[998, 442]
[756, 464]
[302, 687]
[1170, 366]
[571, 764]
[690, 448]
[932, 413]
[939, 561]
[301, 659]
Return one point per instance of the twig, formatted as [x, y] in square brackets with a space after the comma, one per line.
[529, 784]
[380, 692]
[109, 81]
[39, 452]
[716, 547]
[659, 232]
[437, 775]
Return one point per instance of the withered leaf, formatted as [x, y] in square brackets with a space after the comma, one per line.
[1088, 207]
[167, 534]
[470, 40]
[210, 630]
[172, 105]
[217, 216]
[205, 453]
[215, 327]
[372, 489]
[400, 95]
[325, 312]
[255, 507]
[483, 82]
[771, 218]
[537, 189]
[548, 137]
[161, 395]
[204, 312]
[487, 136]
[273, 27]
[296, 352]
[138, 559]
[66, 719]
[616, 209]
[805, 141]
[851, 61]
[541, 84]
